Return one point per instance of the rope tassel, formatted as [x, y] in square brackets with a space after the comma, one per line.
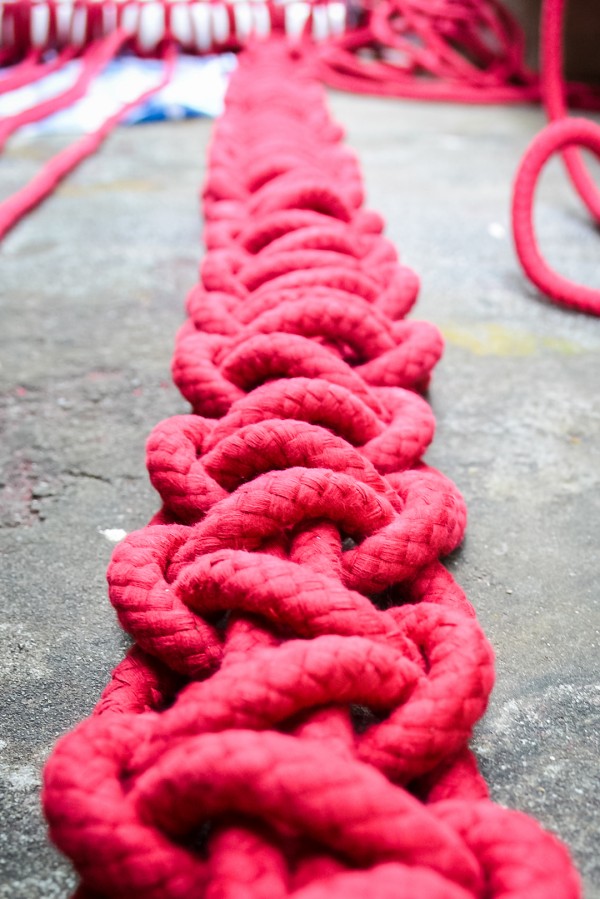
[294, 717]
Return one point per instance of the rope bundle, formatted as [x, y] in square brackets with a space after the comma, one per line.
[293, 718]
[468, 51]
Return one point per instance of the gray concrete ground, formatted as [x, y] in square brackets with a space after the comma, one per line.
[92, 292]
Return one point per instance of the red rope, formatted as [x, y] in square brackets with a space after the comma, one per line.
[458, 50]
[294, 717]
[555, 101]
[465, 51]
[201, 26]
[56, 169]
[564, 135]
[93, 62]
[21, 73]
[31, 69]
[555, 138]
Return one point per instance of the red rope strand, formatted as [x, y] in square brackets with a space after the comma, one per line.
[93, 62]
[56, 169]
[462, 51]
[31, 69]
[559, 136]
[563, 136]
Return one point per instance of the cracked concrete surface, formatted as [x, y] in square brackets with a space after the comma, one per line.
[92, 293]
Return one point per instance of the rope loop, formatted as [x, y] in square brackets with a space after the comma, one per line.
[555, 138]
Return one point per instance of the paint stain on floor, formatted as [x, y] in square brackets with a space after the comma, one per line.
[494, 339]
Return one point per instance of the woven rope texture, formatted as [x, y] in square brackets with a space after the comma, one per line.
[294, 716]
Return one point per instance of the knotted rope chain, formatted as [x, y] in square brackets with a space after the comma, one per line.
[294, 716]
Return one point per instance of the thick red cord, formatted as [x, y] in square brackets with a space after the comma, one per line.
[53, 172]
[563, 136]
[93, 61]
[465, 51]
[293, 719]
[21, 73]
[553, 84]
[555, 138]
[31, 69]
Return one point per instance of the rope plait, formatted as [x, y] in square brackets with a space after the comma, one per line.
[294, 716]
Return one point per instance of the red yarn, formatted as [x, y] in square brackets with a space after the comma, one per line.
[294, 717]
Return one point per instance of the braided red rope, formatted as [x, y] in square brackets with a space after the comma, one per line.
[294, 717]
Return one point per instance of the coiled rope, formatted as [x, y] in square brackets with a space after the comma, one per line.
[463, 51]
[564, 135]
[294, 716]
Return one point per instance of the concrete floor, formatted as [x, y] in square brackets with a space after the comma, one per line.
[92, 292]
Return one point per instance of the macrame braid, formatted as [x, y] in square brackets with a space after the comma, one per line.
[293, 718]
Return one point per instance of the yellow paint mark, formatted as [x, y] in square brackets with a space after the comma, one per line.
[122, 186]
[36, 152]
[493, 339]
[561, 346]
